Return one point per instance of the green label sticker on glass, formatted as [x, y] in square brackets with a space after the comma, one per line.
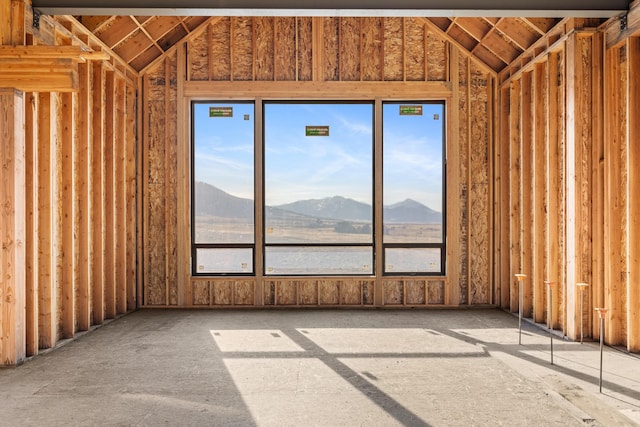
[220, 111]
[317, 130]
[411, 110]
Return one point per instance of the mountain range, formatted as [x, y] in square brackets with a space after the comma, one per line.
[211, 200]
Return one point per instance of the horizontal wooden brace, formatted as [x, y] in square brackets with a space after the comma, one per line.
[75, 53]
[318, 90]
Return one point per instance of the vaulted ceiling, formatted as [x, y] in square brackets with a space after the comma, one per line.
[496, 41]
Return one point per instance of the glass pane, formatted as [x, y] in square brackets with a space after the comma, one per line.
[318, 173]
[223, 168]
[224, 260]
[413, 174]
[412, 260]
[318, 260]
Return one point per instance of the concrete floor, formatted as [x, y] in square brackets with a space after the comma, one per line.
[321, 368]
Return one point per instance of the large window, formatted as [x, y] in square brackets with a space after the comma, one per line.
[318, 169]
[413, 188]
[318, 188]
[223, 188]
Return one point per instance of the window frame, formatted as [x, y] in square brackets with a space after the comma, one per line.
[371, 245]
[195, 246]
[443, 244]
[377, 245]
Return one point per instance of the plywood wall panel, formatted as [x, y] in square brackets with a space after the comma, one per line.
[349, 54]
[221, 49]
[479, 194]
[198, 54]
[242, 48]
[437, 58]
[415, 32]
[393, 48]
[330, 49]
[264, 48]
[304, 48]
[285, 48]
[201, 292]
[372, 37]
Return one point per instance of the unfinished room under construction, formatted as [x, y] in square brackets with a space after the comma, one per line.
[359, 159]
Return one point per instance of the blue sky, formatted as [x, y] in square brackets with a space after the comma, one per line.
[301, 167]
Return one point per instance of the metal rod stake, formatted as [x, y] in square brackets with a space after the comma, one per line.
[602, 312]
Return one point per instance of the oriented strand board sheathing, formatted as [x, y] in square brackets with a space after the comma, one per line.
[244, 292]
[479, 238]
[304, 48]
[264, 48]
[350, 292]
[393, 49]
[437, 58]
[221, 49]
[287, 292]
[269, 292]
[285, 48]
[170, 170]
[415, 49]
[368, 287]
[242, 48]
[393, 292]
[349, 56]
[222, 292]
[198, 57]
[308, 292]
[372, 37]
[331, 49]
[155, 266]
[328, 292]
[464, 111]
[201, 292]
[416, 292]
[435, 293]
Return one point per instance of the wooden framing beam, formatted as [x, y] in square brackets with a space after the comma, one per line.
[13, 226]
[43, 68]
[32, 265]
[317, 90]
[538, 269]
[47, 274]
[96, 186]
[624, 27]
[108, 206]
[633, 196]
[82, 199]
[515, 191]
[527, 188]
